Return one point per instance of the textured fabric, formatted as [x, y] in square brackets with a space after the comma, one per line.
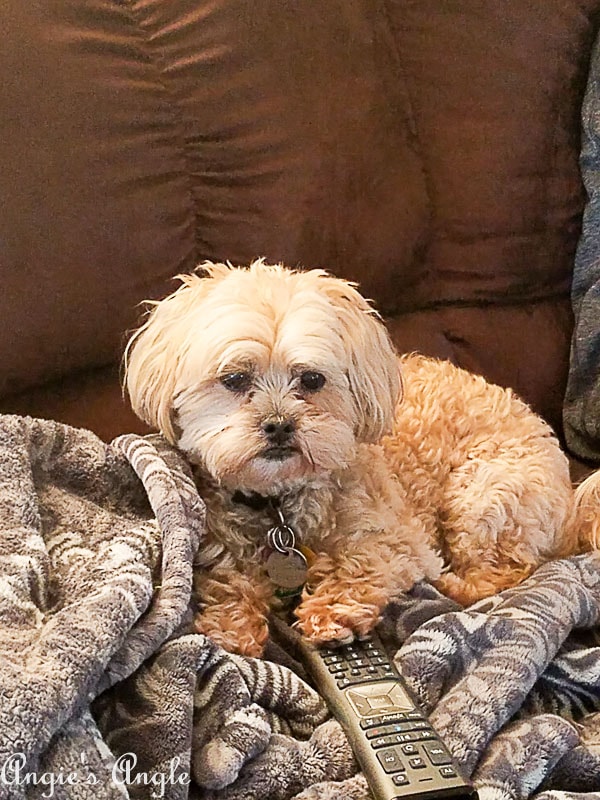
[90, 586]
[101, 678]
[426, 149]
[582, 400]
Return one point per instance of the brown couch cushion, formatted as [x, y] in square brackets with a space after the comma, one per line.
[427, 149]
[96, 207]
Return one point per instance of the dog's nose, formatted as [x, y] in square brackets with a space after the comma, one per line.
[278, 430]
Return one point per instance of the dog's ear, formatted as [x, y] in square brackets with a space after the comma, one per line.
[374, 371]
[154, 354]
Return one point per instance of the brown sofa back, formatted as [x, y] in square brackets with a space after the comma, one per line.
[425, 148]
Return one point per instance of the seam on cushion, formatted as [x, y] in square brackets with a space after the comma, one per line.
[503, 302]
[172, 109]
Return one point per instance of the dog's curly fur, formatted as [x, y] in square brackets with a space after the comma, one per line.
[285, 384]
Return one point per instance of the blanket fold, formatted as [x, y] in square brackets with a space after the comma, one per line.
[106, 691]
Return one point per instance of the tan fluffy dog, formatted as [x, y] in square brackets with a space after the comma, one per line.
[283, 389]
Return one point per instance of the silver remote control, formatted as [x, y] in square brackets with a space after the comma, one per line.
[400, 753]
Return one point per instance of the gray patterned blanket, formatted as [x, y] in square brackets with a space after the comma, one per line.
[105, 693]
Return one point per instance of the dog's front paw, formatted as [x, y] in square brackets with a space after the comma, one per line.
[325, 618]
[247, 638]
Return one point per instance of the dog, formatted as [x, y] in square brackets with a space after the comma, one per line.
[328, 461]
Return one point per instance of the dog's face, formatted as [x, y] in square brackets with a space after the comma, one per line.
[265, 377]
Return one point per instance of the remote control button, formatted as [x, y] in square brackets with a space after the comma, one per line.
[326, 651]
[398, 727]
[364, 677]
[384, 719]
[447, 772]
[417, 762]
[393, 738]
[333, 668]
[378, 698]
[401, 779]
[386, 730]
[374, 673]
[403, 738]
[437, 754]
[390, 760]
[354, 680]
[369, 722]
[361, 677]
[383, 741]
[333, 659]
[423, 736]
[374, 733]
[410, 749]
[417, 725]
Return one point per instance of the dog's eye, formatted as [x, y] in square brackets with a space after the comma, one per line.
[237, 381]
[312, 381]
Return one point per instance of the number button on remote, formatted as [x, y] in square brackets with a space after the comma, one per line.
[437, 754]
[390, 760]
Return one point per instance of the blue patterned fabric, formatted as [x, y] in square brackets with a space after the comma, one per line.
[582, 399]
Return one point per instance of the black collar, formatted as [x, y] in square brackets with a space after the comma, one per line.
[255, 501]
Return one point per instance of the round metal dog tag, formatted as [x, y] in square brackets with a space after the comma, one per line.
[287, 569]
